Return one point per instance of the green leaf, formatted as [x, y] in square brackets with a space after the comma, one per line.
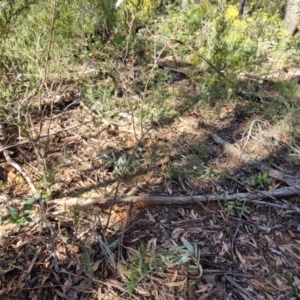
[30, 201]
[251, 181]
[260, 179]
[113, 244]
[187, 245]
[28, 219]
[28, 205]
[13, 212]
[21, 220]
[185, 257]
[225, 196]
[174, 243]
[13, 220]
[20, 267]
[272, 162]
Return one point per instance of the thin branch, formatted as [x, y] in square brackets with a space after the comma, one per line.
[255, 197]
[22, 171]
[6, 154]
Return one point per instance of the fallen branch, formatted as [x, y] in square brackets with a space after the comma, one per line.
[22, 171]
[255, 197]
[232, 150]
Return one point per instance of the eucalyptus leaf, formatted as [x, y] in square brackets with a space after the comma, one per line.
[187, 245]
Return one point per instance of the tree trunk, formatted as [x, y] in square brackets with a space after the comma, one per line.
[292, 16]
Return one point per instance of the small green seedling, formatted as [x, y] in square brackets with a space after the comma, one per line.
[23, 217]
[234, 207]
[260, 180]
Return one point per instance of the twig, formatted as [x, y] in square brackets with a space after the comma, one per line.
[241, 289]
[120, 244]
[22, 171]
[6, 154]
[110, 285]
[32, 263]
[107, 253]
[52, 244]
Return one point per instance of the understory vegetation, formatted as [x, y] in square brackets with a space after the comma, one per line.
[175, 99]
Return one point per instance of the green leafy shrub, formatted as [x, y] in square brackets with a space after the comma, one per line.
[240, 44]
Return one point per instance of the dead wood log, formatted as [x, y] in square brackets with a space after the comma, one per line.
[148, 200]
[64, 204]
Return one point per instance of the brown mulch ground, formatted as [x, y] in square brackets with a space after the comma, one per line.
[255, 256]
[253, 253]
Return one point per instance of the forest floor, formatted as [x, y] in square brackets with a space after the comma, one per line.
[202, 204]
